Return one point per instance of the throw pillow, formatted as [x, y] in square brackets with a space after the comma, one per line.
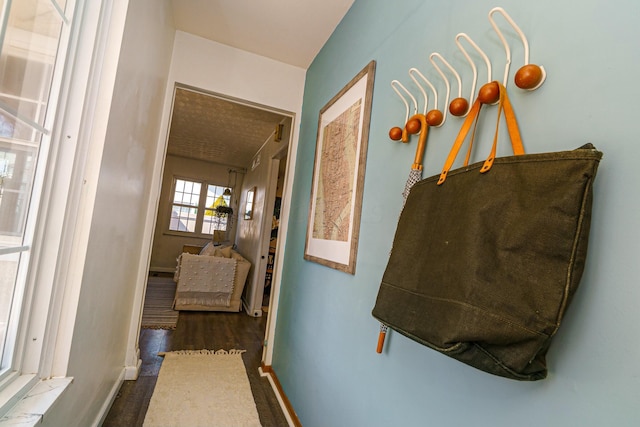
[226, 251]
[208, 249]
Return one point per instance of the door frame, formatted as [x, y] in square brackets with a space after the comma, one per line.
[133, 361]
[285, 210]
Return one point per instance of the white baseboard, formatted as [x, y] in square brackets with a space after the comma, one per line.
[106, 406]
[132, 372]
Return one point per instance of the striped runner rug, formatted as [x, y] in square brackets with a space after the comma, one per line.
[158, 312]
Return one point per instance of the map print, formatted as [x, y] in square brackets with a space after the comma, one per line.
[332, 219]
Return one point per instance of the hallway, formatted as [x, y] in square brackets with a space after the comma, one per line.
[195, 331]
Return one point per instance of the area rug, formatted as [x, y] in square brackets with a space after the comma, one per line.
[202, 388]
[158, 312]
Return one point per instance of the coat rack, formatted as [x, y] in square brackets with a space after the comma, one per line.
[528, 77]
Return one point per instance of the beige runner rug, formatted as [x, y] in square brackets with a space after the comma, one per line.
[202, 388]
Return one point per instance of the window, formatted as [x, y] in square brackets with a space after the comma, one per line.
[30, 55]
[248, 209]
[186, 201]
[199, 207]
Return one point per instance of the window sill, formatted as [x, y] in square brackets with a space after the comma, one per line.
[36, 402]
[188, 234]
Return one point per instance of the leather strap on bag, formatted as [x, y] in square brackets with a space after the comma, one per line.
[505, 107]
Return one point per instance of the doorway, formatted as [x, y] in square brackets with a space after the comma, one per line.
[201, 130]
[271, 228]
[273, 236]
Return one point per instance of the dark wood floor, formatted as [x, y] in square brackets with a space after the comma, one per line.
[196, 331]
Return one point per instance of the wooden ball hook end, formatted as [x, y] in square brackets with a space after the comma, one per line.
[489, 93]
[435, 118]
[459, 107]
[529, 77]
[395, 133]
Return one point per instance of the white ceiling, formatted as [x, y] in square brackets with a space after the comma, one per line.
[290, 31]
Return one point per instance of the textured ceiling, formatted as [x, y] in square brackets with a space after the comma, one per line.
[213, 129]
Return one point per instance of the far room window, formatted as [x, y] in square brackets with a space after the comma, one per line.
[199, 207]
[186, 200]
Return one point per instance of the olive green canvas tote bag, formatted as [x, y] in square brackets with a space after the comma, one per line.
[487, 257]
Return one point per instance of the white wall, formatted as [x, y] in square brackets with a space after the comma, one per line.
[250, 240]
[219, 69]
[117, 186]
[167, 247]
[124, 133]
[223, 70]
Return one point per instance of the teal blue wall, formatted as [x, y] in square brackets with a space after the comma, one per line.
[326, 337]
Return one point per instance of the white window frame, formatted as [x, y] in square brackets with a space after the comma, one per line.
[25, 287]
[201, 208]
[41, 341]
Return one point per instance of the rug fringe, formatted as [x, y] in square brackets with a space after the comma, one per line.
[166, 327]
[203, 351]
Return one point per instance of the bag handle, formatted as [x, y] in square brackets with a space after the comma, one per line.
[505, 107]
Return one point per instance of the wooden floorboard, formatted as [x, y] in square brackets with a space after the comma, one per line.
[196, 331]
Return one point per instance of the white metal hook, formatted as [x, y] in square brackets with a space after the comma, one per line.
[446, 81]
[525, 44]
[473, 65]
[395, 83]
[413, 71]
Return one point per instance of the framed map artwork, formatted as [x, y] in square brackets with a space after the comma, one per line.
[338, 175]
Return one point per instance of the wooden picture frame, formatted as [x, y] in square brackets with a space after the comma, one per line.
[338, 175]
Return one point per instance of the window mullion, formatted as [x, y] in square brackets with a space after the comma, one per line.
[201, 206]
[14, 249]
[4, 19]
[58, 9]
[14, 113]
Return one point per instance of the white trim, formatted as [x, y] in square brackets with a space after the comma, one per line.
[106, 405]
[133, 344]
[285, 211]
[36, 308]
[13, 388]
[34, 405]
[61, 187]
[132, 371]
[228, 83]
[276, 391]
[92, 133]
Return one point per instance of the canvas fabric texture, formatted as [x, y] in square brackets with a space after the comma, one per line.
[484, 266]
